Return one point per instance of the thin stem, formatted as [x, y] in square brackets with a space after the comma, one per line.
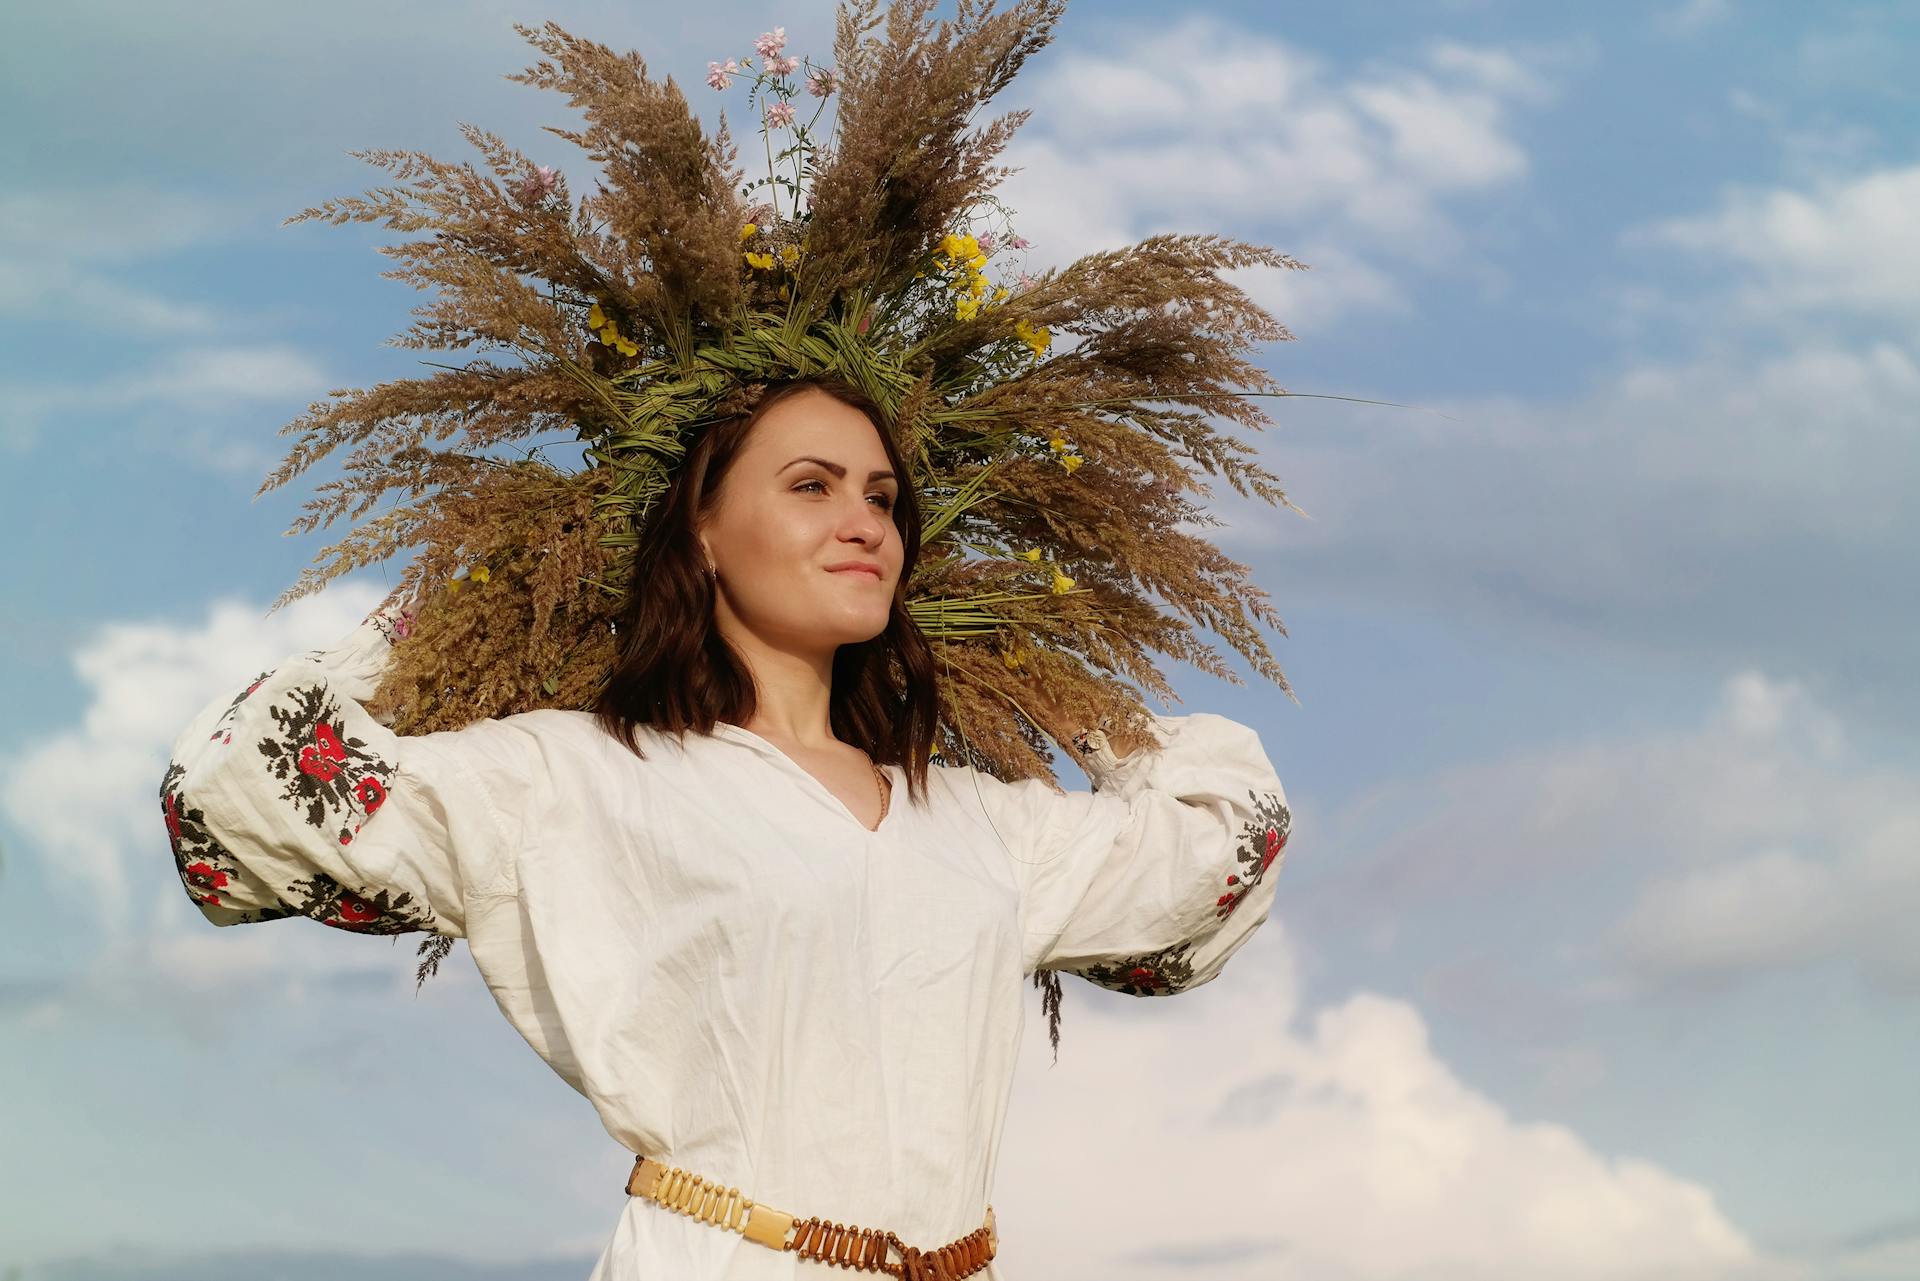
[773, 180]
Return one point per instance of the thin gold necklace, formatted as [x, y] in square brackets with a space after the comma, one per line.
[886, 790]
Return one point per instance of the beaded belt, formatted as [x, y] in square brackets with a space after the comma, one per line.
[863, 1249]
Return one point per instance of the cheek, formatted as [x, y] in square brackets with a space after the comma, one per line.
[781, 539]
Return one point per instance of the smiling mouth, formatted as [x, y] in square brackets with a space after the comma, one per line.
[874, 574]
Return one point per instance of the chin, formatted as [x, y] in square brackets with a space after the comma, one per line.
[859, 631]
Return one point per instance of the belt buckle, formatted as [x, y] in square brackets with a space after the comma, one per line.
[768, 1227]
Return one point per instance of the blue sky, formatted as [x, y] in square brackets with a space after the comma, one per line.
[1593, 954]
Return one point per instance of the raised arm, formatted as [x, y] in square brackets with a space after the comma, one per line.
[1147, 884]
[287, 798]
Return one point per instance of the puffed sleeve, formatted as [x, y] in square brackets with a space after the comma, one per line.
[1148, 883]
[287, 798]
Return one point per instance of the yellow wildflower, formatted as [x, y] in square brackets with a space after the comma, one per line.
[1071, 462]
[747, 232]
[624, 346]
[1037, 338]
[596, 318]
[480, 573]
[966, 308]
[785, 292]
[1061, 583]
[790, 254]
[1032, 554]
[1011, 659]
[1000, 294]
[1059, 444]
[763, 261]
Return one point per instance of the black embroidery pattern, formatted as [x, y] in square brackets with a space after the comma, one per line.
[340, 783]
[333, 775]
[207, 870]
[386, 912]
[223, 728]
[1170, 970]
[336, 782]
[1159, 973]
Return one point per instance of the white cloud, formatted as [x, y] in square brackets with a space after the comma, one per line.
[1846, 245]
[223, 375]
[112, 223]
[65, 256]
[1815, 140]
[1222, 1135]
[84, 798]
[84, 802]
[1692, 16]
[1753, 841]
[1496, 70]
[1718, 504]
[1203, 127]
[197, 380]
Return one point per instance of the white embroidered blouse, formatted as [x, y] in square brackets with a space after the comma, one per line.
[745, 981]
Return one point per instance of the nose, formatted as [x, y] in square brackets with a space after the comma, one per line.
[867, 524]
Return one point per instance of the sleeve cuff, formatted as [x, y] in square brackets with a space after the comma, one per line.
[1103, 765]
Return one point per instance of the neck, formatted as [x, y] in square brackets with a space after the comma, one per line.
[793, 691]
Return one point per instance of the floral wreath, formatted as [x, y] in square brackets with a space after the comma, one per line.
[1057, 423]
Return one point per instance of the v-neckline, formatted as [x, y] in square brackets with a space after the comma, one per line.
[893, 784]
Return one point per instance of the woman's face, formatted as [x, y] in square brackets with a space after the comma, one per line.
[810, 490]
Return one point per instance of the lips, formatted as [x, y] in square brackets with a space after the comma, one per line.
[872, 571]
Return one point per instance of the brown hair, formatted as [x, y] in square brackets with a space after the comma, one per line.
[677, 673]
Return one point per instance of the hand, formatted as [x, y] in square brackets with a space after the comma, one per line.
[1061, 727]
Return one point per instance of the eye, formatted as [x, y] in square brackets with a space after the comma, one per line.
[886, 502]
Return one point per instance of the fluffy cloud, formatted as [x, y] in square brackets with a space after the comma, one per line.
[1225, 1135]
[83, 801]
[1756, 840]
[1846, 245]
[1694, 508]
[1202, 126]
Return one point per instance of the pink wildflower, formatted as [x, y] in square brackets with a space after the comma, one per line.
[1020, 242]
[780, 115]
[1025, 281]
[721, 74]
[538, 185]
[771, 42]
[985, 241]
[820, 82]
[782, 66]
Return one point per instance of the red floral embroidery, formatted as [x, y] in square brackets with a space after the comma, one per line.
[338, 782]
[223, 728]
[335, 781]
[205, 876]
[321, 761]
[204, 867]
[1170, 970]
[1271, 836]
[356, 911]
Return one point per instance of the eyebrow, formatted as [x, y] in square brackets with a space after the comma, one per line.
[839, 472]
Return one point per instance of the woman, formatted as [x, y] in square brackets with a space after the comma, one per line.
[735, 906]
